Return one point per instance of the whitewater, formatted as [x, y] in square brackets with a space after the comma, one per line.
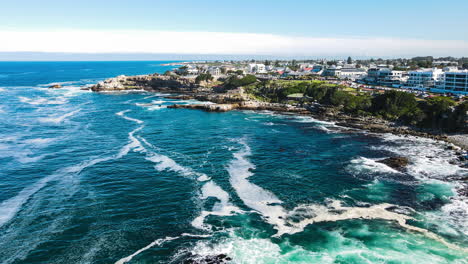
[120, 178]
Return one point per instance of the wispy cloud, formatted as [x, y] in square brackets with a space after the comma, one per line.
[137, 41]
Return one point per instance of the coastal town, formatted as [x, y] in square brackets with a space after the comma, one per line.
[420, 75]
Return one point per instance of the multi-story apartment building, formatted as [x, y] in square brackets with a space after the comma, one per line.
[424, 79]
[333, 71]
[351, 73]
[256, 68]
[455, 82]
[385, 76]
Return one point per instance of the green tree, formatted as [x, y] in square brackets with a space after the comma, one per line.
[349, 60]
[459, 118]
[438, 111]
[203, 77]
[234, 81]
[396, 105]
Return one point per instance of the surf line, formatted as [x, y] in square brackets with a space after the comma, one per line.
[209, 188]
[157, 242]
[269, 206]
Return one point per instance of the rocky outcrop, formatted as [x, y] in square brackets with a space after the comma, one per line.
[207, 107]
[186, 88]
[154, 82]
[55, 86]
[113, 84]
[398, 163]
[245, 105]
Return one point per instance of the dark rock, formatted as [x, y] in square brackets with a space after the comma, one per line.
[216, 259]
[398, 163]
[207, 107]
[55, 86]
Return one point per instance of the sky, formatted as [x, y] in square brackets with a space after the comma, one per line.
[362, 28]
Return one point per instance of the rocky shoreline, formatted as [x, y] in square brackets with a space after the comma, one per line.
[323, 113]
[186, 88]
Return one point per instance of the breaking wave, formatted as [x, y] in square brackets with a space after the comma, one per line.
[294, 221]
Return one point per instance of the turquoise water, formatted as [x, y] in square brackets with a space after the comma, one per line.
[119, 178]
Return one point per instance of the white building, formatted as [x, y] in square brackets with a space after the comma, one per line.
[256, 68]
[215, 71]
[188, 69]
[423, 79]
[385, 76]
[333, 71]
[351, 74]
[455, 82]
[392, 78]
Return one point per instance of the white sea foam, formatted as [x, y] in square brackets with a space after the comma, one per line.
[221, 208]
[336, 212]
[209, 188]
[429, 158]
[70, 91]
[10, 207]
[43, 101]
[253, 196]
[294, 221]
[337, 247]
[364, 165]
[150, 96]
[122, 114]
[20, 154]
[157, 242]
[154, 105]
[158, 102]
[58, 119]
[165, 163]
[457, 212]
[133, 144]
[309, 119]
[39, 141]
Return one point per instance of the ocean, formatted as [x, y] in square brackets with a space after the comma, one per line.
[120, 178]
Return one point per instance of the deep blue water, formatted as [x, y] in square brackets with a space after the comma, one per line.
[110, 178]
